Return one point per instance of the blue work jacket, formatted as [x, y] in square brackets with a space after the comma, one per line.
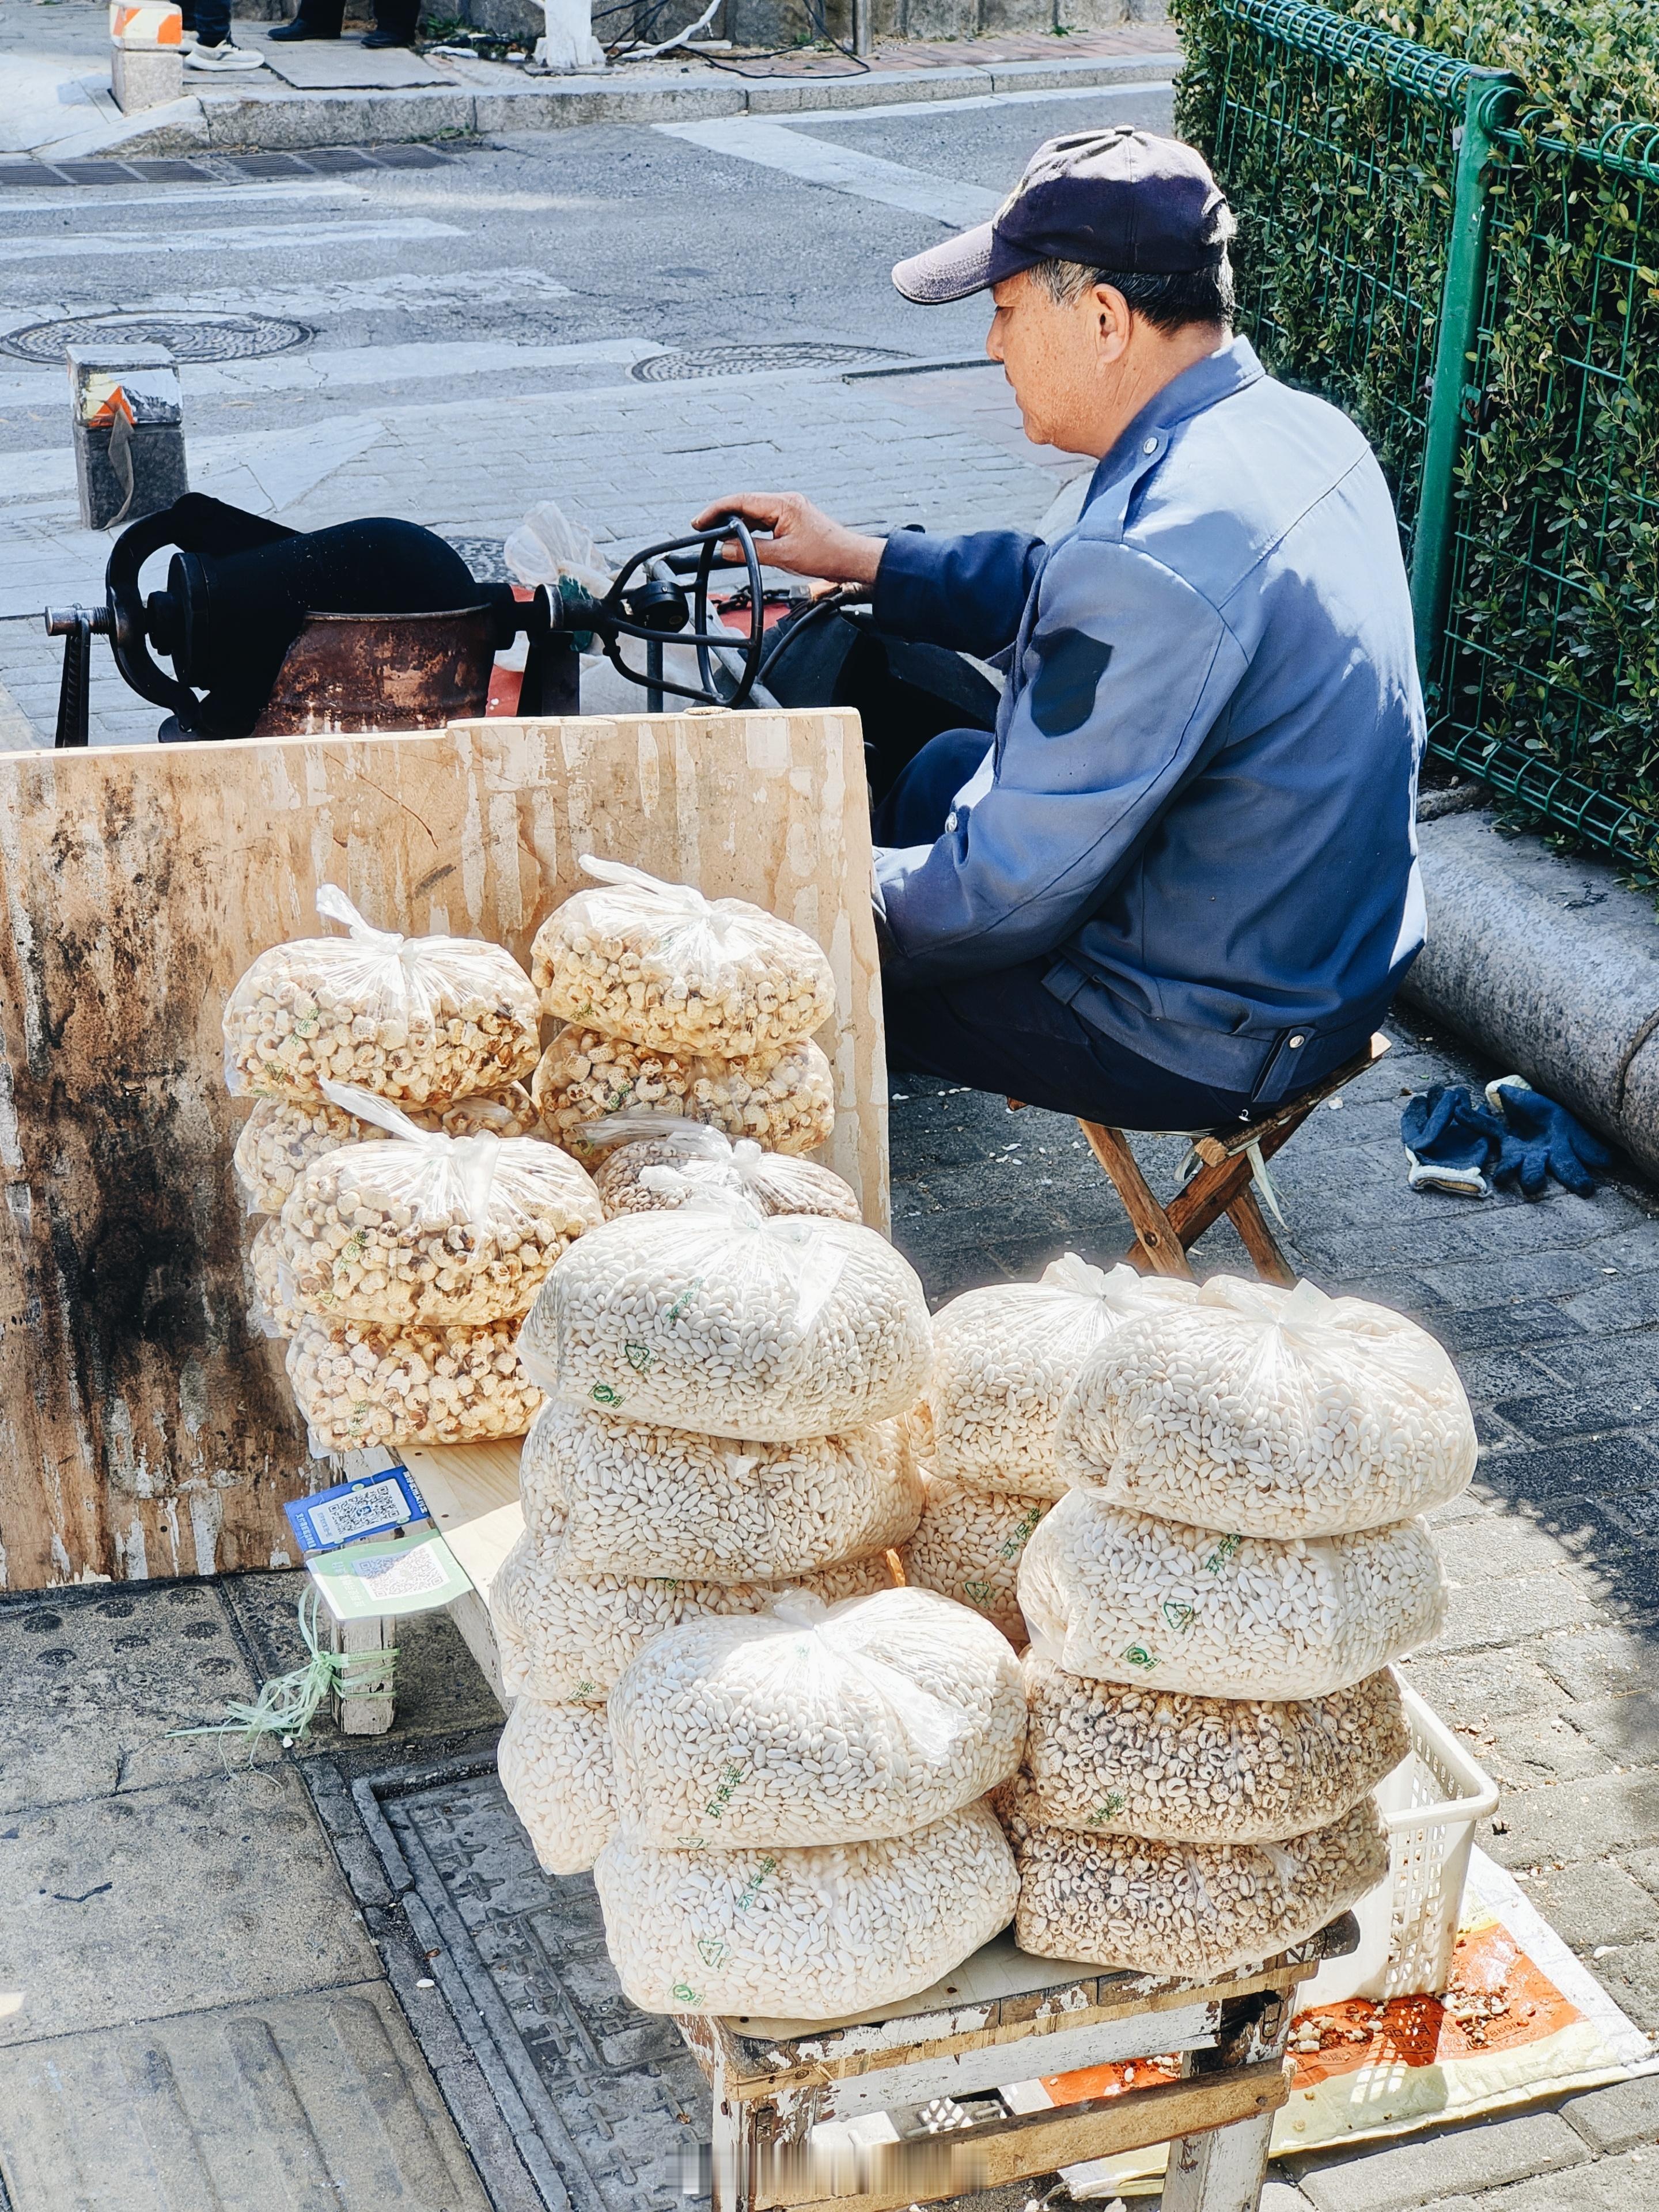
[1200, 797]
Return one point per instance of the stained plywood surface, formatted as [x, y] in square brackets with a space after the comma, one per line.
[143, 1430]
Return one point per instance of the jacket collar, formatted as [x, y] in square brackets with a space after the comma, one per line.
[1146, 439]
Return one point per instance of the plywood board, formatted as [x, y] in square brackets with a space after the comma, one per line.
[143, 1431]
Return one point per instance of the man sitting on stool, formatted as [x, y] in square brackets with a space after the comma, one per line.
[1181, 885]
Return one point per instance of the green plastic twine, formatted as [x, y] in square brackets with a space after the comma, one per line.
[287, 1705]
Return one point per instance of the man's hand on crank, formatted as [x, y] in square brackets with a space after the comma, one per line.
[798, 537]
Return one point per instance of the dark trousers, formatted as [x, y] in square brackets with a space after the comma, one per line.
[1003, 1032]
[210, 21]
[323, 18]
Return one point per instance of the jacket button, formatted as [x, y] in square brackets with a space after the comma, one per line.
[1151, 445]
[950, 819]
[1297, 1043]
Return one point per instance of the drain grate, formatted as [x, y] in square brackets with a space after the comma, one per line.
[190, 337]
[748, 360]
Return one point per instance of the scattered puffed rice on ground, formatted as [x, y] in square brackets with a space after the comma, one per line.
[272, 1306]
[358, 1385]
[433, 1230]
[785, 1099]
[811, 1726]
[1270, 1413]
[1193, 1911]
[1111, 1757]
[1005, 1358]
[1123, 1597]
[632, 1498]
[714, 1318]
[660, 963]
[281, 1137]
[968, 1546]
[566, 1637]
[555, 1765]
[410, 1018]
[776, 1183]
[803, 1934]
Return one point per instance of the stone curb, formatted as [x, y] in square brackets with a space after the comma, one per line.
[287, 122]
[1549, 966]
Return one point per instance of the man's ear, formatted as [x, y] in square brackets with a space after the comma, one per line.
[1112, 323]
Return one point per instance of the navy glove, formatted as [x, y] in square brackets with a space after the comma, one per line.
[1450, 1141]
[1542, 1139]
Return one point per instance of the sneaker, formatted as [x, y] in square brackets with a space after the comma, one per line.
[224, 58]
[288, 34]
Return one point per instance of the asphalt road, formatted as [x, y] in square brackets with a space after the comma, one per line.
[467, 338]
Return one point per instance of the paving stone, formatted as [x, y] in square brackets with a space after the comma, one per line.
[1593, 1902]
[1606, 1466]
[1630, 2184]
[1626, 1728]
[1428, 2168]
[315, 2101]
[1602, 1661]
[1630, 1975]
[1546, 1415]
[1576, 1820]
[95, 1681]
[1511, 1612]
[1617, 2118]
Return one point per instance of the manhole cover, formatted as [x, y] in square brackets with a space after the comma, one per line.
[191, 338]
[746, 360]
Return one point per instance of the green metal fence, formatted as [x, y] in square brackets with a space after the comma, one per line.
[1485, 299]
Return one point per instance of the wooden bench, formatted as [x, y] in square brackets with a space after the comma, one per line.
[1164, 1234]
[784, 2091]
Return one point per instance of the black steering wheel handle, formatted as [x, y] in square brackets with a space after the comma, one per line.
[127, 636]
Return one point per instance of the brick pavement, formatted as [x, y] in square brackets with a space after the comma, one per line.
[1547, 1665]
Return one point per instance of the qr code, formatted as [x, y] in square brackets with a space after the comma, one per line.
[374, 1506]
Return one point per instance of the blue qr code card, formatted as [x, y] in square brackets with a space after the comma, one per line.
[372, 1505]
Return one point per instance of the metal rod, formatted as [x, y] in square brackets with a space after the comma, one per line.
[73, 700]
[654, 669]
[1487, 102]
[863, 29]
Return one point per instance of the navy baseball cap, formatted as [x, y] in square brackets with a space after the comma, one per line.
[1112, 199]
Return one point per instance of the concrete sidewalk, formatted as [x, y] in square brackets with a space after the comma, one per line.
[58, 106]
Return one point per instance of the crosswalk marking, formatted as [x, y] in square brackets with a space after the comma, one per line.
[249, 238]
[842, 169]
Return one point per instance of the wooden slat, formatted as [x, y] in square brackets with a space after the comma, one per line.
[144, 1429]
[471, 1492]
[1259, 1241]
[1212, 1189]
[1165, 1254]
[1213, 1150]
[1002, 2151]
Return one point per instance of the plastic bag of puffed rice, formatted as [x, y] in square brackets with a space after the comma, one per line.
[430, 1230]
[1272, 1413]
[631, 1497]
[1116, 1757]
[272, 1306]
[777, 1182]
[661, 963]
[555, 1765]
[716, 1319]
[413, 1019]
[282, 1136]
[808, 1724]
[968, 1546]
[357, 1385]
[566, 1637]
[1194, 1910]
[1123, 1597]
[784, 1098]
[803, 1935]
[1005, 1358]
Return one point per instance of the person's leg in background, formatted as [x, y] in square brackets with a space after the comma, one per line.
[213, 50]
[394, 23]
[317, 19]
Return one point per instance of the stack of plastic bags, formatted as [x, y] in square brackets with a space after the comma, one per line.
[410, 1215]
[722, 1458]
[1212, 1609]
[1004, 1358]
[700, 1009]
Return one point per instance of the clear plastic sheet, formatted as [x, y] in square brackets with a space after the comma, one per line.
[358, 1385]
[555, 1765]
[784, 1099]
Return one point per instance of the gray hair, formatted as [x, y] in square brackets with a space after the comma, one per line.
[1168, 303]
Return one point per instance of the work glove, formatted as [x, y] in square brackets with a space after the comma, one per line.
[1542, 1139]
[1450, 1142]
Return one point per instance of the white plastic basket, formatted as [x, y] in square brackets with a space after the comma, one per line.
[1408, 1923]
